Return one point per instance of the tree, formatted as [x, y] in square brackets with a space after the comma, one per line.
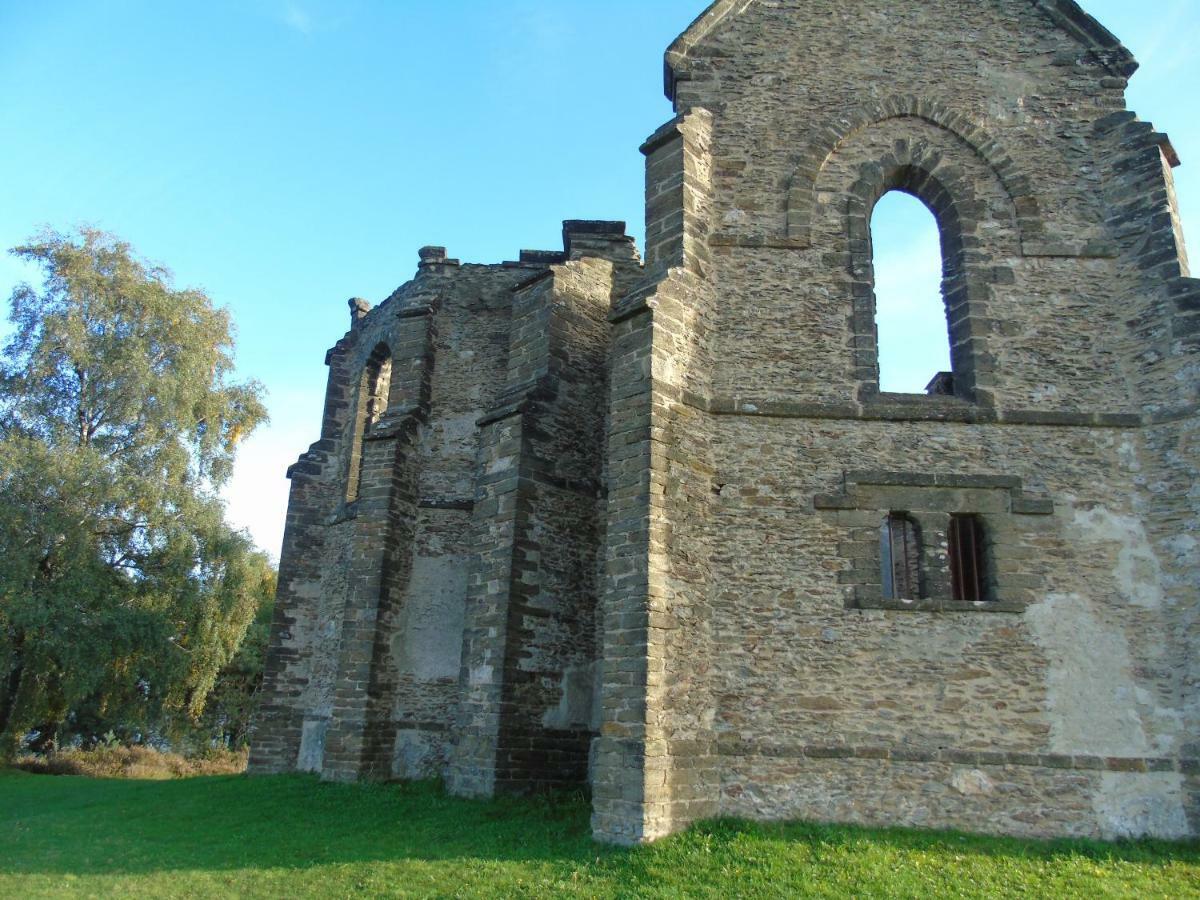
[123, 592]
[235, 697]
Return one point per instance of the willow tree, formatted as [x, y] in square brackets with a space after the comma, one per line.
[122, 589]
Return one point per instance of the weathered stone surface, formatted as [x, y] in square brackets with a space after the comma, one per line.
[620, 523]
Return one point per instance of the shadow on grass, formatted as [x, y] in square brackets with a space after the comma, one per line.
[70, 825]
[80, 826]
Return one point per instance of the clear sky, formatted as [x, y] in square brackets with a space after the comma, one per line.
[286, 155]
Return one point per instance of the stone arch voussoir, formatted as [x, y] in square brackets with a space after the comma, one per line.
[801, 201]
[916, 168]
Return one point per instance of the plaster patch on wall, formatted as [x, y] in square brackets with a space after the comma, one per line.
[1165, 723]
[1185, 549]
[429, 642]
[1141, 805]
[972, 783]
[1137, 576]
[458, 432]
[1010, 89]
[312, 745]
[417, 756]
[499, 465]
[574, 708]
[1091, 698]
[1127, 452]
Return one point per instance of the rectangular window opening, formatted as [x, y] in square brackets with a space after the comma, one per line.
[900, 552]
[966, 559]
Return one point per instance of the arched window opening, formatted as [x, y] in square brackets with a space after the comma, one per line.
[900, 553]
[379, 380]
[373, 392]
[910, 313]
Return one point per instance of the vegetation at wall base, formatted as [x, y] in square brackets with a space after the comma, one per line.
[294, 836]
[134, 762]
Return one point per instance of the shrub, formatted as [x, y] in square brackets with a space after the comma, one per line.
[134, 762]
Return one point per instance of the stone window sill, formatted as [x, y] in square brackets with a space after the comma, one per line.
[944, 401]
[937, 605]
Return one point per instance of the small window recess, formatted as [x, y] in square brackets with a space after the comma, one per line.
[928, 548]
[900, 554]
[966, 545]
[373, 396]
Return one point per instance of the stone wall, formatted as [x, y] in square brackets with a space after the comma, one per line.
[622, 523]
[1059, 706]
[363, 670]
[1067, 663]
[437, 610]
[527, 719]
[655, 770]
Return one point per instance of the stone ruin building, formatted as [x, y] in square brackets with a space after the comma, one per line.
[648, 524]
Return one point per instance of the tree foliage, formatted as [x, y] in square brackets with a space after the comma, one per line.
[237, 693]
[123, 592]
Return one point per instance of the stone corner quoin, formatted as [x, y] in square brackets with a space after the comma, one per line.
[646, 523]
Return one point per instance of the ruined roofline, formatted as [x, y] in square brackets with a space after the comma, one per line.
[575, 232]
[702, 26]
[1066, 14]
[1085, 28]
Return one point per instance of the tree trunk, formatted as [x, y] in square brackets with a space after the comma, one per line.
[8, 708]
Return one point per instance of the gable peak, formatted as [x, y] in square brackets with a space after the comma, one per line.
[1068, 15]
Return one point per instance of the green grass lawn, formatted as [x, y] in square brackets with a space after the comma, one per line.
[296, 837]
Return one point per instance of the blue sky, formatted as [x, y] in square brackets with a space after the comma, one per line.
[286, 155]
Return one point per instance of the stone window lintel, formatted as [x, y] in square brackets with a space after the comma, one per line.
[1021, 503]
[924, 497]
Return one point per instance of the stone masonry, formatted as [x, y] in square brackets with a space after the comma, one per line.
[593, 519]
